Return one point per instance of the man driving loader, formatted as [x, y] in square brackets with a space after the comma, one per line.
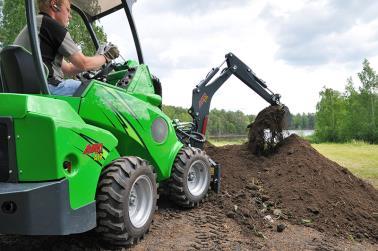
[56, 44]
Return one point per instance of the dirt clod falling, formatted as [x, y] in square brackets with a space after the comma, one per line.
[266, 132]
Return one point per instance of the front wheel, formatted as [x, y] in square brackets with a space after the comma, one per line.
[126, 200]
[190, 179]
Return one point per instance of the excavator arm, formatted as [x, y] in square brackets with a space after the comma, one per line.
[205, 90]
[193, 133]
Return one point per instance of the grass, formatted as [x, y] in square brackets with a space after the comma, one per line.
[223, 142]
[359, 157]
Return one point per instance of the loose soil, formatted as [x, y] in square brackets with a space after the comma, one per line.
[313, 202]
[266, 131]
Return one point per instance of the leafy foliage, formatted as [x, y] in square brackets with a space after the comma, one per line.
[223, 122]
[227, 123]
[177, 113]
[13, 20]
[301, 121]
[83, 39]
[350, 115]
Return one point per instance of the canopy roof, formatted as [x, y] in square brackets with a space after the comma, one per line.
[95, 9]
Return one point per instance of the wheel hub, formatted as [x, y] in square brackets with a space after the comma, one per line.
[140, 201]
[132, 198]
[192, 176]
[198, 177]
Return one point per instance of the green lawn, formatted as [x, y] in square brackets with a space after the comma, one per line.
[223, 142]
[360, 158]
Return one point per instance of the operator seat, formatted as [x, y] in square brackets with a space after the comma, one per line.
[18, 71]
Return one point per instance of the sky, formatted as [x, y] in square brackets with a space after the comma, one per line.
[296, 46]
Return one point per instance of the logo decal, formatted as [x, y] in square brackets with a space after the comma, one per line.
[203, 99]
[95, 149]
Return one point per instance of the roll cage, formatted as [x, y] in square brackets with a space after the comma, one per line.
[89, 16]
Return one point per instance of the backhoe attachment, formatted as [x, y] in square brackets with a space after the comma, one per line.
[205, 90]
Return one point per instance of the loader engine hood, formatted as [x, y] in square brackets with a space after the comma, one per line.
[19, 105]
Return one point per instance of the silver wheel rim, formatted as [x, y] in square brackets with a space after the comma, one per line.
[140, 201]
[198, 176]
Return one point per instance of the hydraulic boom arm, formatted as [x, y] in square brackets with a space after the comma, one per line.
[204, 91]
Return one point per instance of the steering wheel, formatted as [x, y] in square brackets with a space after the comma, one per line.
[105, 70]
[99, 74]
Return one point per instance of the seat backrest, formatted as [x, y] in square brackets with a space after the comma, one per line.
[18, 71]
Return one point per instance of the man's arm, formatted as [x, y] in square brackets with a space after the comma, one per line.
[69, 69]
[80, 63]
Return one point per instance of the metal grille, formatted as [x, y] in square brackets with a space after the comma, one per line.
[4, 152]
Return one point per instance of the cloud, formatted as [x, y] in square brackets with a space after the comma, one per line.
[296, 46]
[191, 7]
[323, 32]
[173, 40]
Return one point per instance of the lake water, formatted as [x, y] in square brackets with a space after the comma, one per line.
[301, 133]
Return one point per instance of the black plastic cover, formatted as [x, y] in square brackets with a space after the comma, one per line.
[42, 209]
[8, 166]
[4, 152]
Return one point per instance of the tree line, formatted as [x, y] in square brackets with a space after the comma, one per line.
[352, 114]
[304, 121]
[222, 122]
[339, 117]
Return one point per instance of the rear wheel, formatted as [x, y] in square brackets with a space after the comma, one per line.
[190, 179]
[126, 200]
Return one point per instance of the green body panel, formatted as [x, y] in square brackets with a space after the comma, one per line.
[50, 132]
[131, 63]
[113, 78]
[18, 105]
[141, 81]
[153, 99]
[73, 101]
[130, 119]
[13, 105]
[35, 148]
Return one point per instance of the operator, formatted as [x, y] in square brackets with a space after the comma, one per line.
[56, 44]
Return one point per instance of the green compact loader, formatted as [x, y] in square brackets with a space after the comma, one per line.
[94, 160]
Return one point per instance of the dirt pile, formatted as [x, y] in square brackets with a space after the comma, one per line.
[297, 184]
[267, 130]
[296, 187]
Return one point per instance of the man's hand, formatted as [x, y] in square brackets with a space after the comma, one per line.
[111, 52]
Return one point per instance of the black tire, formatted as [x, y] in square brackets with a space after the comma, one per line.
[114, 224]
[180, 190]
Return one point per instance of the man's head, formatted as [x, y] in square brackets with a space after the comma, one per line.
[60, 10]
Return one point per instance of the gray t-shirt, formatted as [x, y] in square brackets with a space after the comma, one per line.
[55, 43]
